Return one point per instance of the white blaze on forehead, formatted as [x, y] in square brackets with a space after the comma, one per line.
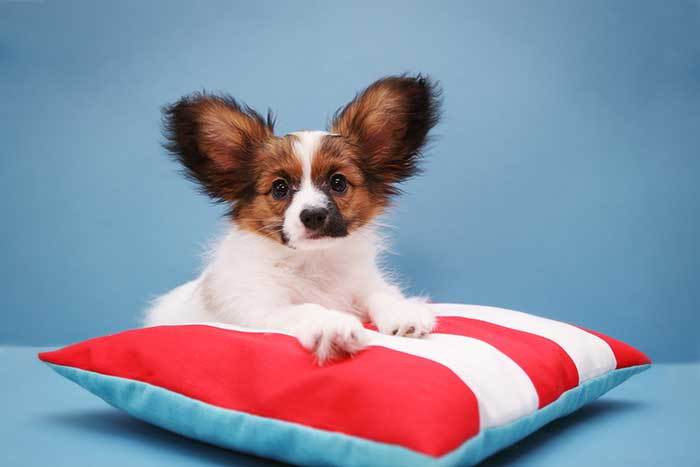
[306, 144]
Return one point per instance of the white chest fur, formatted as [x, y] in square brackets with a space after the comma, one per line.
[246, 265]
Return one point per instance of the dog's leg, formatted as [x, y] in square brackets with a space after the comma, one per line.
[327, 333]
[395, 314]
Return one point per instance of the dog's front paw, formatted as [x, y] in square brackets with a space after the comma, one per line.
[331, 334]
[402, 317]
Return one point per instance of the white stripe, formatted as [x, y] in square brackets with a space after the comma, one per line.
[503, 390]
[591, 355]
[306, 144]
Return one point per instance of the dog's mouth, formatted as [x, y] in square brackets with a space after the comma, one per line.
[330, 232]
[313, 240]
[316, 236]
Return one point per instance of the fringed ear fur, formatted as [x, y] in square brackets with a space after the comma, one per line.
[215, 138]
[389, 121]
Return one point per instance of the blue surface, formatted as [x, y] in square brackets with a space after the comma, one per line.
[564, 181]
[300, 445]
[651, 420]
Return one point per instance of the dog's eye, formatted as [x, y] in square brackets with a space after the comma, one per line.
[339, 183]
[280, 189]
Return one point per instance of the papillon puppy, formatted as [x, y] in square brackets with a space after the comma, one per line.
[301, 256]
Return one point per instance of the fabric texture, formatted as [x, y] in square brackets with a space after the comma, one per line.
[486, 378]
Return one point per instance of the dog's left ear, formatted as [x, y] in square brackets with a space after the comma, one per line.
[390, 121]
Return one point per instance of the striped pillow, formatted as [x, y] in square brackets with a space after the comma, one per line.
[486, 378]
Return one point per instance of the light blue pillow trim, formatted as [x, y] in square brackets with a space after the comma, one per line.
[299, 444]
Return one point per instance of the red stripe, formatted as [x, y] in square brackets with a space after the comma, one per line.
[381, 394]
[625, 354]
[550, 368]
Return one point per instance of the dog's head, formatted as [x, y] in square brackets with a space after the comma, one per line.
[308, 188]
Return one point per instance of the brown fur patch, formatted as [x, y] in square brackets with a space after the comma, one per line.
[225, 132]
[358, 205]
[261, 213]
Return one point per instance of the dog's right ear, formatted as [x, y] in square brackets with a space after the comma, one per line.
[215, 139]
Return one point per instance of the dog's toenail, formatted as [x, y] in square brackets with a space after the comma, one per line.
[410, 330]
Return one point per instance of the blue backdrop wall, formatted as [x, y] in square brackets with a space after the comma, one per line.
[564, 180]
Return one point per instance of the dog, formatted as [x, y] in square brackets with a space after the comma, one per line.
[302, 252]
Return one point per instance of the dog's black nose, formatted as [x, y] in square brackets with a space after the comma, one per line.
[314, 218]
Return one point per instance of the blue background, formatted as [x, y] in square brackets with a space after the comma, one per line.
[564, 180]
